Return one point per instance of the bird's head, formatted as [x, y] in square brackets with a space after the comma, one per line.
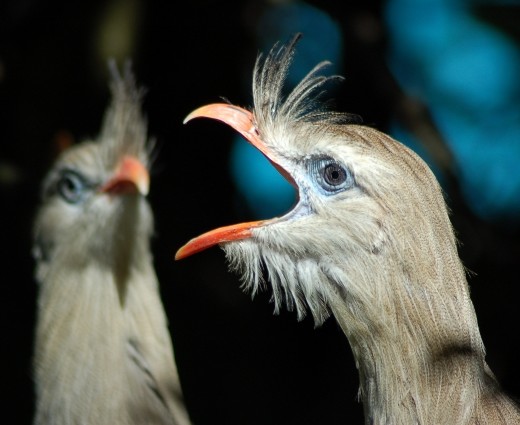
[93, 199]
[364, 200]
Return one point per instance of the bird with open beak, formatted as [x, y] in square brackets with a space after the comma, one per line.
[368, 241]
[103, 353]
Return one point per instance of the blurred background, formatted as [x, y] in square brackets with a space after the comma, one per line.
[442, 76]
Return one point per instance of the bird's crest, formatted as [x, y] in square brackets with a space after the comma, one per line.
[124, 126]
[269, 76]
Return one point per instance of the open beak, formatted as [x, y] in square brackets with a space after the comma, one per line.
[242, 121]
[131, 176]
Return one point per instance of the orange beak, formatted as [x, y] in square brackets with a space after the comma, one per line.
[131, 176]
[214, 237]
[242, 121]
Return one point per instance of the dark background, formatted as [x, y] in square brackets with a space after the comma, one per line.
[239, 364]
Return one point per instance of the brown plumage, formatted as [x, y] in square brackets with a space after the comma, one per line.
[103, 354]
[370, 242]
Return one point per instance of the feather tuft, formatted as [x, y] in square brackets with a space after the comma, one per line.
[301, 104]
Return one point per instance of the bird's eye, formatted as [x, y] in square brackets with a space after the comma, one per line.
[71, 186]
[330, 175]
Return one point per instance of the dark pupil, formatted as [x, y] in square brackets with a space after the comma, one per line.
[334, 174]
[69, 186]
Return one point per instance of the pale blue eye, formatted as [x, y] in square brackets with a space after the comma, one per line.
[71, 187]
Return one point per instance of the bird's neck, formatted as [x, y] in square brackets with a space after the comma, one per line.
[419, 353]
[84, 334]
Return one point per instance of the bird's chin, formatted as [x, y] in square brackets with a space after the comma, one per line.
[296, 280]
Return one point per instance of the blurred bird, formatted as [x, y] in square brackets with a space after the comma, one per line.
[369, 240]
[103, 353]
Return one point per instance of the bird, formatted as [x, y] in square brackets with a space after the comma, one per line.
[368, 241]
[103, 352]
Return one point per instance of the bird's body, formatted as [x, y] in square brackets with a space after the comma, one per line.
[369, 241]
[103, 353]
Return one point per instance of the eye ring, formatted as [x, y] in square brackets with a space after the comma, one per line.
[71, 187]
[330, 175]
